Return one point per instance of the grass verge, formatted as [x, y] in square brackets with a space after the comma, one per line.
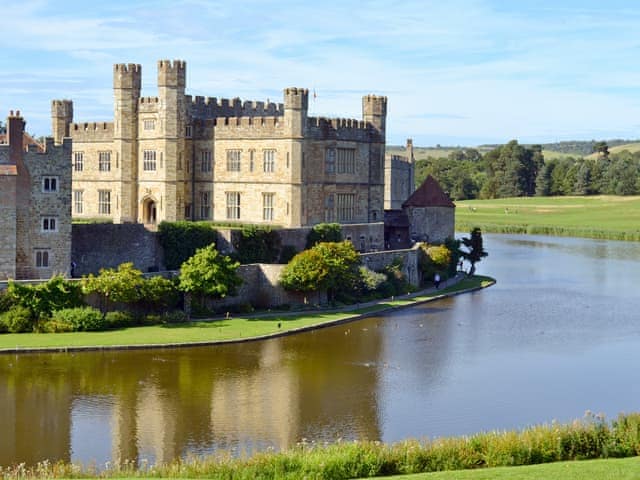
[602, 217]
[238, 328]
[590, 438]
[608, 469]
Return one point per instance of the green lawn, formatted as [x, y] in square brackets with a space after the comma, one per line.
[602, 216]
[235, 328]
[610, 469]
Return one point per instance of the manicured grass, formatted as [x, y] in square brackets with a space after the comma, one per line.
[609, 469]
[234, 328]
[602, 216]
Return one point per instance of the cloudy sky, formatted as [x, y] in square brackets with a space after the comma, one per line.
[456, 72]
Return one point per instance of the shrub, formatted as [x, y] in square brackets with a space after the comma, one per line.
[81, 318]
[18, 319]
[6, 301]
[324, 232]
[370, 280]
[180, 240]
[396, 279]
[176, 316]
[434, 259]
[257, 245]
[159, 293]
[44, 298]
[119, 319]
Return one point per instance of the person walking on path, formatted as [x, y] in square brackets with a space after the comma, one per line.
[436, 280]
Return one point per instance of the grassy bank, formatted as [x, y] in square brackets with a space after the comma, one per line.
[590, 438]
[235, 328]
[606, 217]
[610, 469]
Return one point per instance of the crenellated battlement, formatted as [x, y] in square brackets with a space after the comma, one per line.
[62, 108]
[91, 132]
[127, 76]
[253, 127]
[321, 128]
[212, 107]
[296, 98]
[172, 73]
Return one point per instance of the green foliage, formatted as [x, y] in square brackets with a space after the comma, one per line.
[180, 240]
[590, 438]
[396, 283]
[329, 266]
[124, 284]
[512, 170]
[257, 245]
[371, 281]
[209, 273]
[17, 319]
[287, 253]
[434, 259]
[475, 250]
[44, 298]
[324, 232]
[6, 301]
[158, 293]
[119, 319]
[80, 319]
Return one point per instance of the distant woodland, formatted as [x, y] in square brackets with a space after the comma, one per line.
[512, 170]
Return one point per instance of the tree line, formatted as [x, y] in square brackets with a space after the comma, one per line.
[515, 170]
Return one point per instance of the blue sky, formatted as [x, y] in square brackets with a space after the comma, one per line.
[456, 72]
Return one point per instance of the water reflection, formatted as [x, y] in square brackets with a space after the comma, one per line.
[557, 335]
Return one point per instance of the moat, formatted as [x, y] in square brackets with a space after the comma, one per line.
[558, 335]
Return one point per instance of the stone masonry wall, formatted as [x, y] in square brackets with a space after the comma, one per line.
[378, 260]
[107, 245]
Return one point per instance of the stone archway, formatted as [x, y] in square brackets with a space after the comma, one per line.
[149, 211]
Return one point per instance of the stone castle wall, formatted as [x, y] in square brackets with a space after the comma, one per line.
[378, 260]
[432, 224]
[107, 245]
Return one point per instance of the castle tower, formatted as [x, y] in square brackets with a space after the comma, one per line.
[296, 105]
[172, 115]
[127, 81]
[374, 111]
[61, 117]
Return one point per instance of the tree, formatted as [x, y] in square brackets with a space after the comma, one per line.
[209, 273]
[475, 251]
[601, 148]
[257, 245]
[123, 285]
[329, 266]
[324, 232]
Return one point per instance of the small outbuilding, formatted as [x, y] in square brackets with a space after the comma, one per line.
[428, 215]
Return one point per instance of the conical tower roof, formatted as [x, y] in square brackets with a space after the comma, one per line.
[429, 194]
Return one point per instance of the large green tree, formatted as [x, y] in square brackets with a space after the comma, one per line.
[209, 273]
[327, 266]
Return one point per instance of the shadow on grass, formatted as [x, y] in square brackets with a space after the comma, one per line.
[198, 324]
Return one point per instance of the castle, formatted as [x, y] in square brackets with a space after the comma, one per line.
[35, 204]
[176, 157]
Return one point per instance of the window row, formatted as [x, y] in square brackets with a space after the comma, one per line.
[234, 160]
[149, 158]
[341, 208]
[233, 204]
[340, 160]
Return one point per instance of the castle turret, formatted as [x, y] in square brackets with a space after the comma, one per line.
[374, 111]
[127, 81]
[412, 162]
[171, 85]
[61, 117]
[296, 104]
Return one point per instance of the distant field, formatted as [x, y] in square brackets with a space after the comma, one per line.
[553, 155]
[602, 216]
[632, 147]
[421, 153]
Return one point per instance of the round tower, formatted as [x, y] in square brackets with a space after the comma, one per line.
[61, 117]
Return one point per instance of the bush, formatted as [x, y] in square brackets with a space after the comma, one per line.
[176, 316]
[180, 240]
[6, 301]
[119, 319]
[44, 298]
[434, 259]
[159, 293]
[18, 319]
[324, 232]
[81, 318]
[396, 279]
[370, 280]
[257, 245]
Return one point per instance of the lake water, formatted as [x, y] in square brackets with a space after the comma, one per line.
[558, 334]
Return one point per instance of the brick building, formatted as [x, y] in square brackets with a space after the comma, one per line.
[35, 207]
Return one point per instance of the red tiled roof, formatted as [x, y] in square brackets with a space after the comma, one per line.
[26, 141]
[429, 194]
